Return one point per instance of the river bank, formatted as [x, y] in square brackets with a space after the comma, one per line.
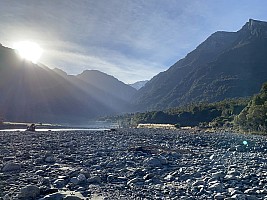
[132, 164]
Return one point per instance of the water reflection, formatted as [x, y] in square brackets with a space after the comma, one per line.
[57, 129]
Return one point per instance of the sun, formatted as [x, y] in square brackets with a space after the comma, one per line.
[28, 50]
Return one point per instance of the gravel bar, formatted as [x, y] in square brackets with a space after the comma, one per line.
[132, 164]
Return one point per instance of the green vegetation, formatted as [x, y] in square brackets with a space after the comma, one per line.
[243, 114]
[253, 117]
[202, 114]
[1, 116]
[177, 125]
[234, 67]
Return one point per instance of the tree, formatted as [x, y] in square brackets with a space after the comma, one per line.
[1, 119]
[254, 116]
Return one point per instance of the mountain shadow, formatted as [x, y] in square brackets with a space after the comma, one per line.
[36, 93]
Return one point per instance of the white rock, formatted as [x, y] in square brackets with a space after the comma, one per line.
[134, 180]
[169, 177]
[239, 197]
[230, 177]
[212, 157]
[249, 191]
[198, 182]
[233, 172]
[155, 162]
[218, 187]
[59, 183]
[219, 196]
[233, 191]
[81, 177]
[218, 175]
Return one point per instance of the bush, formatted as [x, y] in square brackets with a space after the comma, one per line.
[177, 125]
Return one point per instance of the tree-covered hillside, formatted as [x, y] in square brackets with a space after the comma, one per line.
[254, 115]
[202, 114]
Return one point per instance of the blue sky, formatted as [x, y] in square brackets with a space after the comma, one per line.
[130, 39]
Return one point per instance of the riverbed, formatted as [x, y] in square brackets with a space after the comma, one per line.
[132, 164]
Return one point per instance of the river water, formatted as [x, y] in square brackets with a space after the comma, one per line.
[58, 129]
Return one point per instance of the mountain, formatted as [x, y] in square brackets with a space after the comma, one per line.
[33, 93]
[106, 89]
[225, 65]
[139, 84]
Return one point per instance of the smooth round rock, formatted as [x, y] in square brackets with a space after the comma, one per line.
[72, 198]
[9, 167]
[29, 192]
[50, 159]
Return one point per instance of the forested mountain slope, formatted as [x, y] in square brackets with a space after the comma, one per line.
[226, 65]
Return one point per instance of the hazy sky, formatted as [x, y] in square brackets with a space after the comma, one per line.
[129, 39]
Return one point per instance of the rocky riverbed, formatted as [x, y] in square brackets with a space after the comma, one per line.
[132, 164]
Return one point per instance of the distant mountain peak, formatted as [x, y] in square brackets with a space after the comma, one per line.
[92, 71]
[253, 22]
[139, 84]
[256, 28]
[96, 74]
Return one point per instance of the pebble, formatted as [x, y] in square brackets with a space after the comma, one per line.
[219, 196]
[217, 187]
[218, 175]
[74, 180]
[198, 183]
[50, 159]
[59, 183]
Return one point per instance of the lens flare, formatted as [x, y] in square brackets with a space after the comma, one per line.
[29, 50]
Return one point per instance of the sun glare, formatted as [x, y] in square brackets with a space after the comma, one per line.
[28, 50]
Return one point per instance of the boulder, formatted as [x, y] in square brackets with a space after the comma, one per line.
[155, 162]
[11, 166]
[69, 197]
[29, 192]
[94, 180]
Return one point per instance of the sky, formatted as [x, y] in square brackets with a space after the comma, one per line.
[132, 40]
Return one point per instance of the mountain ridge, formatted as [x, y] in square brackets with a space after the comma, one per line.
[210, 72]
[31, 92]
